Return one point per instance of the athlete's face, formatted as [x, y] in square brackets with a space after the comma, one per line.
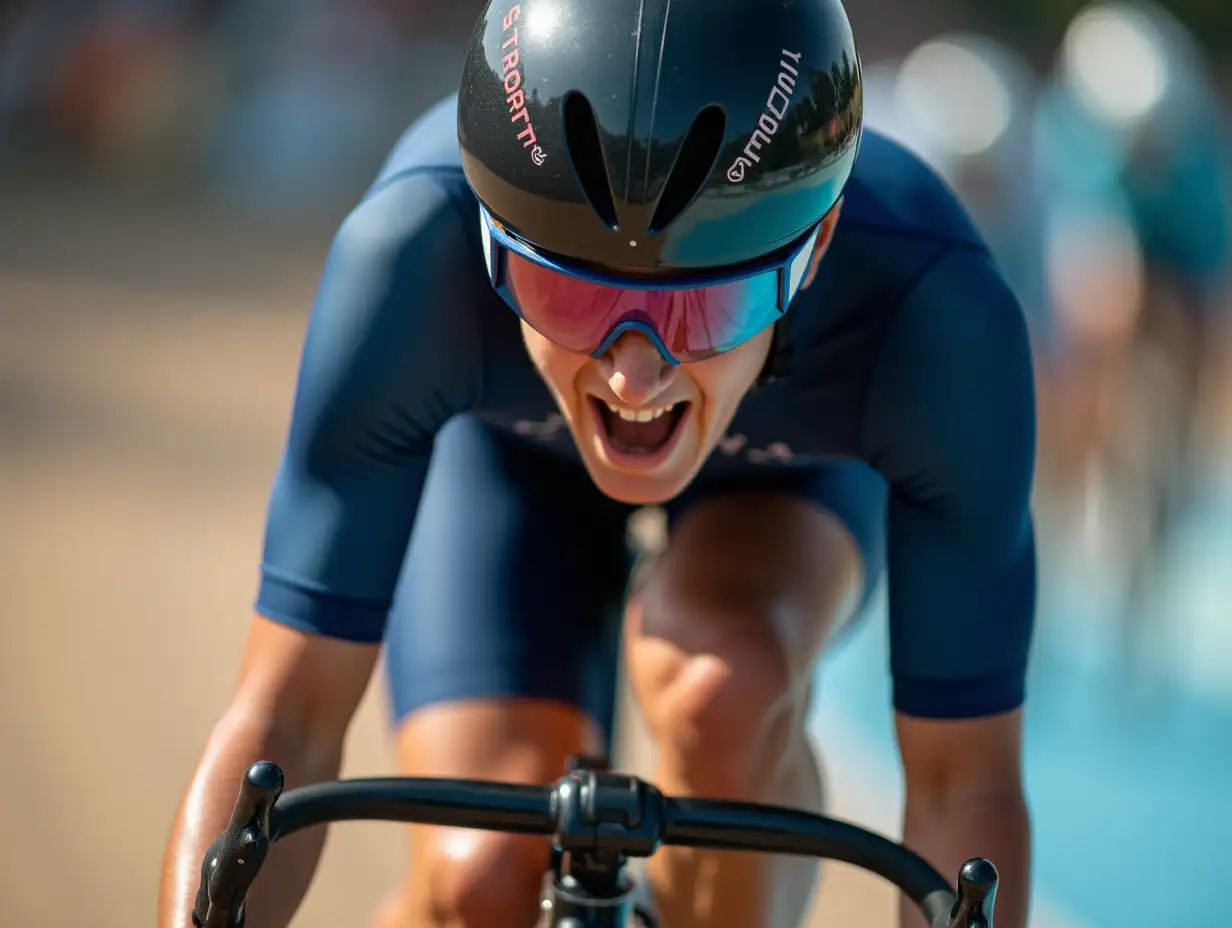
[643, 426]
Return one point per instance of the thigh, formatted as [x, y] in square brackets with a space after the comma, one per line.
[844, 494]
[512, 583]
[763, 567]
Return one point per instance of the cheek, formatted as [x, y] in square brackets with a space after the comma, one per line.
[725, 379]
[558, 366]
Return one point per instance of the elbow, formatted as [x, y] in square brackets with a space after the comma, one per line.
[997, 799]
[975, 760]
[998, 787]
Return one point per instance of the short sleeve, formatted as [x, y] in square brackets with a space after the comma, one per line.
[392, 351]
[950, 423]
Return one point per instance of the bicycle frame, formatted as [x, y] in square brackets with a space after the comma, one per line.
[598, 894]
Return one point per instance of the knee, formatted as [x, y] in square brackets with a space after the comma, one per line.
[481, 879]
[719, 699]
[724, 630]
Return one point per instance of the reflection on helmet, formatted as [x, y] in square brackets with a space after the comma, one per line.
[611, 133]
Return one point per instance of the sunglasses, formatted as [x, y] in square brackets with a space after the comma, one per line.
[586, 311]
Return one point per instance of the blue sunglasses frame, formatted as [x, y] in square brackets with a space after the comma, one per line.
[789, 263]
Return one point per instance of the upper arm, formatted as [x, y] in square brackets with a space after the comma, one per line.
[951, 424]
[391, 352]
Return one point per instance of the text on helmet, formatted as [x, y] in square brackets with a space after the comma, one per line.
[515, 97]
[768, 123]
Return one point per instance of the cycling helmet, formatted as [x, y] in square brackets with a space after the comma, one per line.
[659, 137]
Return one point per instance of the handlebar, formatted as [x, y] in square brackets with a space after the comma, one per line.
[585, 812]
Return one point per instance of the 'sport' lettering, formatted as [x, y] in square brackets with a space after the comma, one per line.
[511, 70]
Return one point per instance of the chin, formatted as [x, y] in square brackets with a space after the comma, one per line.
[652, 488]
[637, 490]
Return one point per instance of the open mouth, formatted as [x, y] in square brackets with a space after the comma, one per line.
[642, 433]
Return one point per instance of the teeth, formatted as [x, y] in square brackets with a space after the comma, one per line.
[640, 415]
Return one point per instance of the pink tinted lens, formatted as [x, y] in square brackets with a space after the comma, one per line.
[693, 324]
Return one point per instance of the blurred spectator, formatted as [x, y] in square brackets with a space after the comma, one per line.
[317, 91]
[1103, 191]
[283, 105]
[1132, 149]
[102, 78]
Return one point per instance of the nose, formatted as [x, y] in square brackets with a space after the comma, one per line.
[635, 370]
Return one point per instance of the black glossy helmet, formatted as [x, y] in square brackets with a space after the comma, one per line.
[649, 136]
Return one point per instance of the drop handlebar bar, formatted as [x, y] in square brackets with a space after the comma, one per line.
[595, 819]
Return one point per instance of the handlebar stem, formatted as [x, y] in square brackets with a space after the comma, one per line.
[597, 812]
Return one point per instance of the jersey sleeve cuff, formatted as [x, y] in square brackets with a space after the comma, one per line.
[961, 699]
[296, 606]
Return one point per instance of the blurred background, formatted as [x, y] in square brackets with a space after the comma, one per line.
[171, 172]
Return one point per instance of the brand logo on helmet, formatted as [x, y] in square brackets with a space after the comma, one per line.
[515, 97]
[768, 124]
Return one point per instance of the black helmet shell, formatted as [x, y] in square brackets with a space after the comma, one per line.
[660, 135]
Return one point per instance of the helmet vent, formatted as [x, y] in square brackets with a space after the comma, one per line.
[586, 153]
[694, 162]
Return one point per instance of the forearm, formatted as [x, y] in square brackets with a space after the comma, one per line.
[238, 740]
[950, 830]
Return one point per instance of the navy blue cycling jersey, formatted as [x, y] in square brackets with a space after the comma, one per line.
[909, 353]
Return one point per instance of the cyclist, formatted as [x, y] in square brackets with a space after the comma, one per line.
[1132, 146]
[807, 356]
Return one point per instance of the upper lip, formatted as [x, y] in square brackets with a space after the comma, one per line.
[645, 406]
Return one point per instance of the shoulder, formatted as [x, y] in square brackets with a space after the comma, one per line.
[894, 191]
[960, 316]
[419, 196]
[897, 217]
[950, 413]
[396, 324]
[413, 238]
[416, 228]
